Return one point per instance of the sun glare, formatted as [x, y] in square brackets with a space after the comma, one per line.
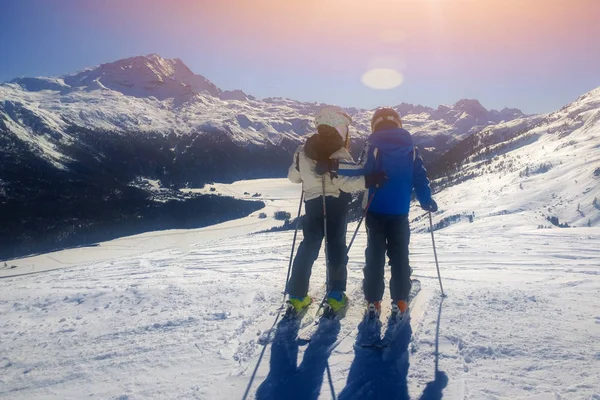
[382, 78]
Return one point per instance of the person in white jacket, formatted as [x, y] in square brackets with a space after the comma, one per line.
[324, 154]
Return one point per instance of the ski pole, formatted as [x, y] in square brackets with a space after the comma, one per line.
[364, 212]
[360, 222]
[437, 265]
[293, 244]
[326, 251]
[325, 233]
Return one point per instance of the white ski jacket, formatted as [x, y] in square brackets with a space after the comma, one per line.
[303, 171]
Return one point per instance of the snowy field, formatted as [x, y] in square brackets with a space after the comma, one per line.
[177, 315]
[277, 194]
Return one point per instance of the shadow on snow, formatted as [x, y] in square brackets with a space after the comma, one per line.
[433, 390]
[287, 379]
[383, 373]
[379, 373]
[374, 373]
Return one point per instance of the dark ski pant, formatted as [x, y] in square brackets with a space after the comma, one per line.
[308, 251]
[389, 233]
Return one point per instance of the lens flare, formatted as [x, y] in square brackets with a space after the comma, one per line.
[382, 78]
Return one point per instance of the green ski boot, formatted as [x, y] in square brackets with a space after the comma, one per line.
[336, 301]
[296, 305]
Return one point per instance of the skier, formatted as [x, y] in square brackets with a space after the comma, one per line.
[390, 149]
[324, 153]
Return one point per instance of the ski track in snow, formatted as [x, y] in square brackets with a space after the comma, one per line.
[175, 321]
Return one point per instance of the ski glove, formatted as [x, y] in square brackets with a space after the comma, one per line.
[325, 166]
[375, 180]
[431, 207]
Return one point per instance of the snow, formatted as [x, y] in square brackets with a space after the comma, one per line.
[177, 314]
[47, 147]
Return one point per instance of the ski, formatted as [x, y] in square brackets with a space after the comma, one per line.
[289, 315]
[369, 330]
[307, 333]
[393, 328]
[397, 321]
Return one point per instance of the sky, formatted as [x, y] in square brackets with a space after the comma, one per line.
[536, 55]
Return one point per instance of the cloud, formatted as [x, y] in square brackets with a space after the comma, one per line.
[382, 78]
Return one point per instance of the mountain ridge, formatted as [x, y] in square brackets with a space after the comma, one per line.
[152, 76]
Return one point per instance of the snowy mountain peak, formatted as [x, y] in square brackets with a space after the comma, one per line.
[471, 107]
[591, 98]
[161, 67]
[145, 76]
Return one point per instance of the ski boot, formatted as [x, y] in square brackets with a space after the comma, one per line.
[335, 302]
[373, 310]
[399, 309]
[296, 305]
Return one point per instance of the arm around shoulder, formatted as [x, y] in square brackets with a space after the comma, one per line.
[348, 184]
[348, 176]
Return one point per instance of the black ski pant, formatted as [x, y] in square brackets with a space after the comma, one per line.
[308, 251]
[389, 233]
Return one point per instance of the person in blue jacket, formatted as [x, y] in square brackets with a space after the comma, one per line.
[390, 150]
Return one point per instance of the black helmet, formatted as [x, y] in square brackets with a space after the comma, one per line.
[385, 114]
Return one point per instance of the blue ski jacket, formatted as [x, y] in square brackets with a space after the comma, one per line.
[393, 151]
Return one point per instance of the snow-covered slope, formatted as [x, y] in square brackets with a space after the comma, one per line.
[177, 314]
[538, 168]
